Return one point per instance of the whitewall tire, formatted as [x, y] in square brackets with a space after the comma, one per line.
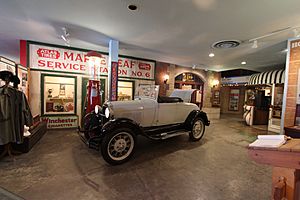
[198, 129]
[118, 146]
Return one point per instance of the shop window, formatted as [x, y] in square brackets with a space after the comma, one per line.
[125, 90]
[59, 95]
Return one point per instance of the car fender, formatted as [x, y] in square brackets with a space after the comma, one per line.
[193, 115]
[121, 123]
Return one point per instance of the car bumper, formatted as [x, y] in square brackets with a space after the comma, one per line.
[93, 142]
[82, 137]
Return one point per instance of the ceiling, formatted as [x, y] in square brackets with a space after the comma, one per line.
[179, 31]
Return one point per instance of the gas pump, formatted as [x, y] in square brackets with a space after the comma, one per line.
[93, 96]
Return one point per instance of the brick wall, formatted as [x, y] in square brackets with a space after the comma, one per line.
[174, 70]
[160, 71]
[294, 66]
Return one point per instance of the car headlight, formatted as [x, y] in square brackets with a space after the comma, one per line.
[97, 109]
[107, 112]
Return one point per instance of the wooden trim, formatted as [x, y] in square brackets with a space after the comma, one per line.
[276, 158]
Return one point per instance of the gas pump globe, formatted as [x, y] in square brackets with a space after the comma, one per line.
[93, 97]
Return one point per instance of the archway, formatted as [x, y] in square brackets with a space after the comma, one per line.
[187, 81]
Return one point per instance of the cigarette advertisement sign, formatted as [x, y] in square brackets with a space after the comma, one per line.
[54, 122]
[114, 81]
[68, 60]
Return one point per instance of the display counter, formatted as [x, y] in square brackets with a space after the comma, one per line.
[286, 166]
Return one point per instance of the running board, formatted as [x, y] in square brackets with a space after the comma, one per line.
[166, 135]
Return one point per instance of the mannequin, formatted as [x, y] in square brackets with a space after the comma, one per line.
[14, 113]
[6, 76]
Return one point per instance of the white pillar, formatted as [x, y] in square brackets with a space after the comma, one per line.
[113, 58]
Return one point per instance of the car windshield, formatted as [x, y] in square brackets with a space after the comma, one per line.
[147, 91]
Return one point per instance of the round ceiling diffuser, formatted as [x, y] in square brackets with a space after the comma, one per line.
[226, 44]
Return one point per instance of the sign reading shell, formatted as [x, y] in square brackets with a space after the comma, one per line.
[67, 60]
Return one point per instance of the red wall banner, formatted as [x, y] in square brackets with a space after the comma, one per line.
[114, 81]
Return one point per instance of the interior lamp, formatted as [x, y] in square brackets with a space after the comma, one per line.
[166, 78]
[215, 83]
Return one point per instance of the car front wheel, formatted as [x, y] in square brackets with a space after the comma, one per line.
[198, 130]
[118, 146]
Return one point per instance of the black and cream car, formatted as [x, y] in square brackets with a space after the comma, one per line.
[113, 128]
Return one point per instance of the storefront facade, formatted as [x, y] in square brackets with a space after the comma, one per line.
[59, 76]
[264, 98]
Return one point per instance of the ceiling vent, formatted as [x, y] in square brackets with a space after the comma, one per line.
[226, 44]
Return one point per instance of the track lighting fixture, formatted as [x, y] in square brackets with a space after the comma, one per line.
[296, 33]
[254, 46]
[65, 36]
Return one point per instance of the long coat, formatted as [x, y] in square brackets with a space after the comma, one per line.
[14, 114]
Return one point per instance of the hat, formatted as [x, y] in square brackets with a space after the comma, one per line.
[6, 75]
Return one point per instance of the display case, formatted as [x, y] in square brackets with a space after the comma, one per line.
[59, 95]
[125, 90]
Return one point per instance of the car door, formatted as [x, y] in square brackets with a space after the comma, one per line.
[167, 114]
[149, 109]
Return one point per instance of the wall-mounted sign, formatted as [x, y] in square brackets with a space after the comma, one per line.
[67, 60]
[235, 80]
[7, 65]
[54, 122]
[114, 81]
[23, 76]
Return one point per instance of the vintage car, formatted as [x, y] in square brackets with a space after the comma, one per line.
[113, 129]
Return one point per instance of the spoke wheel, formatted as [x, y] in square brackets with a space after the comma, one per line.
[118, 146]
[198, 130]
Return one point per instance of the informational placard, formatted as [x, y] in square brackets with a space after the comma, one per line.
[54, 122]
[68, 60]
[23, 76]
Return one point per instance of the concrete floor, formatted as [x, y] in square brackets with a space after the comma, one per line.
[60, 166]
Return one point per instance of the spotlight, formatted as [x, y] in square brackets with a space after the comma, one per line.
[254, 46]
[65, 36]
[296, 33]
[211, 55]
[243, 63]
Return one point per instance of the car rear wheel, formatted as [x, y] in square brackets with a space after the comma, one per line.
[198, 129]
[118, 146]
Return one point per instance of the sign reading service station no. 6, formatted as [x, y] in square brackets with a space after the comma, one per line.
[67, 60]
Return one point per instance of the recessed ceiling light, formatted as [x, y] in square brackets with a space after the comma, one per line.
[211, 55]
[132, 7]
[243, 63]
